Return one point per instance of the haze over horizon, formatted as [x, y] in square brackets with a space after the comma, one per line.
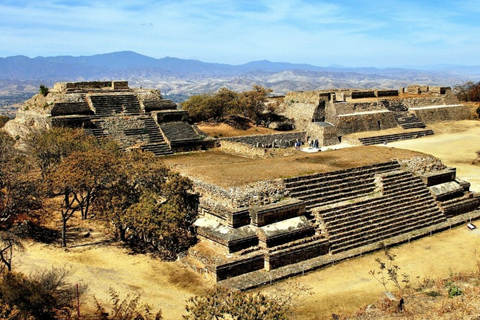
[349, 33]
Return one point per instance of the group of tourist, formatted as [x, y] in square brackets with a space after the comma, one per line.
[312, 143]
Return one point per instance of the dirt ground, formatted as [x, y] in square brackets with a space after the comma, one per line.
[341, 288]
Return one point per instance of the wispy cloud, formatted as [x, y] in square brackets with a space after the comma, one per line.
[320, 32]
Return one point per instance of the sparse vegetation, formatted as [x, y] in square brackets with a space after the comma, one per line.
[43, 296]
[224, 303]
[43, 90]
[468, 91]
[3, 120]
[227, 105]
[128, 308]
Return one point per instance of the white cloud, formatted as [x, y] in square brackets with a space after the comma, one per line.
[240, 31]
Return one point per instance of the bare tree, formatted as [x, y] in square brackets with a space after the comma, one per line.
[8, 242]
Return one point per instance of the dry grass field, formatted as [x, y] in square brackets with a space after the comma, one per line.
[341, 288]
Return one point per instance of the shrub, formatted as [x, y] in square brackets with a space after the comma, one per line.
[43, 90]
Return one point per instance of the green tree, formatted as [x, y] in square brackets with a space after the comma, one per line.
[156, 206]
[468, 91]
[48, 147]
[225, 102]
[43, 90]
[78, 179]
[253, 103]
[198, 107]
[19, 186]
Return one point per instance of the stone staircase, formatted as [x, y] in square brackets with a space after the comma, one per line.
[96, 129]
[332, 187]
[367, 141]
[178, 131]
[460, 205]
[107, 105]
[408, 120]
[405, 205]
[156, 142]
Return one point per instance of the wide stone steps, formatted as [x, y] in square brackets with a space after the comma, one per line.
[393, 194]
[158, 149]
[328, 188]
[395, 137]
[409, 121]
[315, 200]
[156, 142]
[369, 217]
[461, 205]
[176, 131]
[109, 105]
[335, 220]
[375, 235]
[300, 182]
[406, 204]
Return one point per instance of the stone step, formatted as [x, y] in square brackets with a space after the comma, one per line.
[369, 218]
[394, 137]
[394, 231]
[291, 183]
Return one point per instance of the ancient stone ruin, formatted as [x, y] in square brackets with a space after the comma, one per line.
[268, 230]
[257, 232]
[329, 115]
[136, 118]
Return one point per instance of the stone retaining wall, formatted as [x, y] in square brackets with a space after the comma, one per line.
[353, 123]
[443, 113]
[355, 107]
[116, 126]
[232, 269]
[282, 140]
[257, 193]
[296, 254]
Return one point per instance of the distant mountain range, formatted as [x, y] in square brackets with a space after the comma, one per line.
[179, 78]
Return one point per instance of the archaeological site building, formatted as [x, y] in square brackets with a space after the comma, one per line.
[265, 217]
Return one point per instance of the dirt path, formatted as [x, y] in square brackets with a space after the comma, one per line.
[109, 266]
[343, 287]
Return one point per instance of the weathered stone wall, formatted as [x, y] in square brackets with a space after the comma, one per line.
[116, 85]
[365, 122]
[268, 140]
[362, 94]
[229, 270]
[116, 126]
[71, 122]
[257, 193]
[303, 97]
[386, 93]
[71, 108]
[437, 177]
[443, 113]
[242, 149]
[422, 165]
[354, 107]
[296, 254]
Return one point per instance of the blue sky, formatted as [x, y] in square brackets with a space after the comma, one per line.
[351, 33]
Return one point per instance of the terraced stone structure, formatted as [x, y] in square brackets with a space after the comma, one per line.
[329, 115]
[268, 230]
[136, 118]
